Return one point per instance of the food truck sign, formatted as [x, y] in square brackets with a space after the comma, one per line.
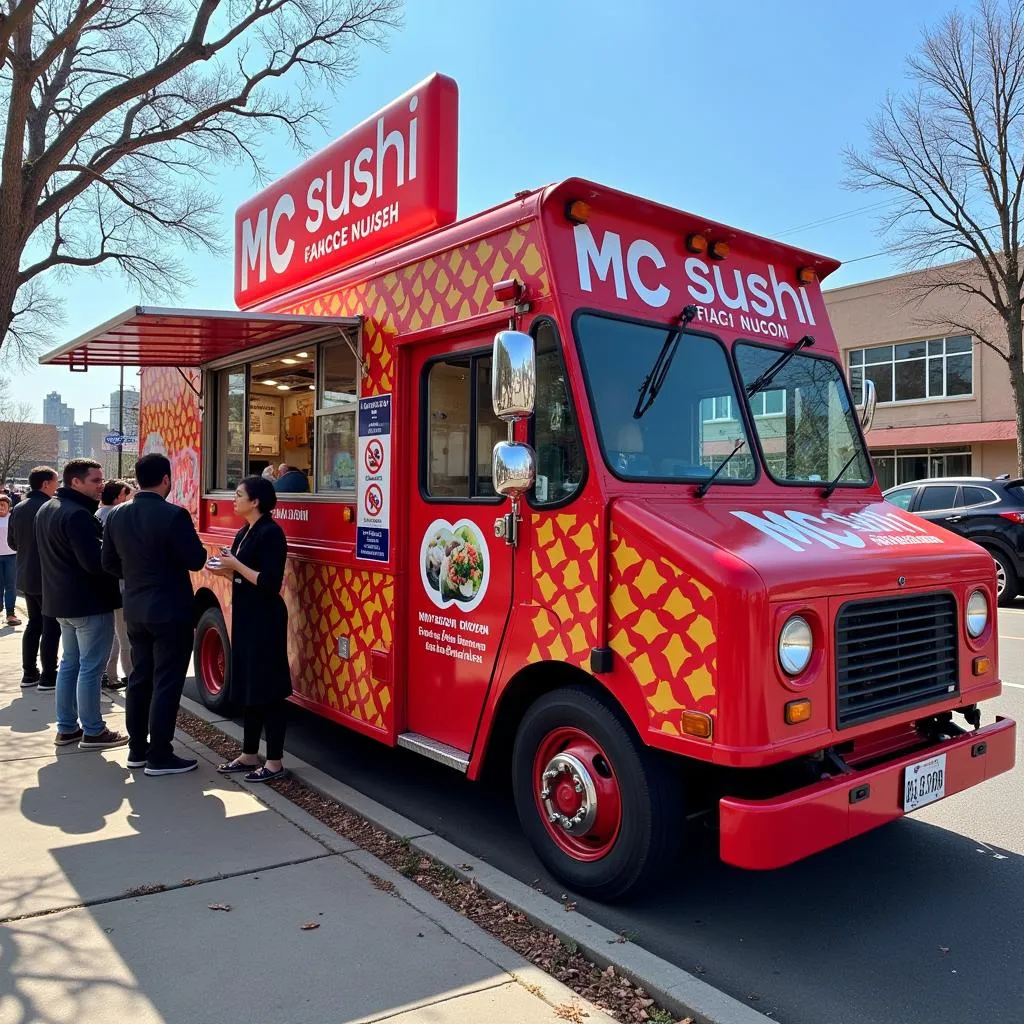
[392, 178]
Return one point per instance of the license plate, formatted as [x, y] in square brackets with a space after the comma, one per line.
[924, 782]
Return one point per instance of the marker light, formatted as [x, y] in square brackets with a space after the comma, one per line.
[977, 613]
[798, 711]
[807, 275]
[577, 211]
[719, 250]
[696, 723]
[980, 665]
[507, 291]
[795, 645]
[697, 243]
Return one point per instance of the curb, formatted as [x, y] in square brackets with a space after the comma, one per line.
[677, 990]
[543, 986]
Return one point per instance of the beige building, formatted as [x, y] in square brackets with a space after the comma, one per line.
[945, 407]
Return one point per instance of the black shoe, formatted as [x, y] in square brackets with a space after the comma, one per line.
[29, 679]
[137, 759]
[173, 765]
[105, 740]
[47, 684]
[117, 684]
[64, 739]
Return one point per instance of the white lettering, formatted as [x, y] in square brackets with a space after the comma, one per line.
[315, 205]
[799, 530]
[760, 301]
[740, 301]
[816, 526]
[694, 269]
[280, 258]
[644, 250]
[394, 140]
[607, 258]
[254, 248]
[365, 177]
[338, 210]
[781, 289]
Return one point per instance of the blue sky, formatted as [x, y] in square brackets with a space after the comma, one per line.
[738, 111]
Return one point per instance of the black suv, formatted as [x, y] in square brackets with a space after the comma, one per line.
[989, 512]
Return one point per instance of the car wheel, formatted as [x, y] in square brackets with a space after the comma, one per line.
[601, 810]
[211, 656]
[1006, 579]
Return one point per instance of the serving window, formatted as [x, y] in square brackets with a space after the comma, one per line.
[294, 411]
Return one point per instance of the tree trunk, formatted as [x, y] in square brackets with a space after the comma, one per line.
[1015, 344]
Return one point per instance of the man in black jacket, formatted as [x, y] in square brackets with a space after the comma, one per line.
[82, 598]
[42, 634]
[152, 544]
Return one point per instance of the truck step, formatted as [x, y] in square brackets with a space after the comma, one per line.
[436, 750]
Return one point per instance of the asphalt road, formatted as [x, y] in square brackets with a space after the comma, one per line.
[921, 922]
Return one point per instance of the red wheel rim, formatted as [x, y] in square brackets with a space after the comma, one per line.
[574, 782]
[212, 662]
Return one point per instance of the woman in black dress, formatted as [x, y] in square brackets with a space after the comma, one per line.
[260, 678]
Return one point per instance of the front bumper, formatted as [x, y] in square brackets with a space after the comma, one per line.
[766, 834]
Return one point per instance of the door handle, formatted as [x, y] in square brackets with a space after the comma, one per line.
[955, 519]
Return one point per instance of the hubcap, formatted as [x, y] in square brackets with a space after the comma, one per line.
[577, 794]
[212, 662]
[1000, 579]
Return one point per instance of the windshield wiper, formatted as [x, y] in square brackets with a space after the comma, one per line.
[839, 476]
[659, 371]
[761, 382]
[704, 487]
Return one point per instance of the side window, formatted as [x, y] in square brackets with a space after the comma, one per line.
[461, 428]
[336, 420]
[556, 435]
[938, 496]
[231, 424]
[901, 498]
[976, 496]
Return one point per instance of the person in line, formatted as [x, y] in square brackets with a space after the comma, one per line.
[260, 678]
[11, 493]
[290, 479]
[116, 492]
[152, 544]
[8, 563]
[268, 473]
[82, 598]
[42, 634]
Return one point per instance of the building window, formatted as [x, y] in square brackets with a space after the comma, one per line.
[906, 465]
[914, 370]
[296, 408]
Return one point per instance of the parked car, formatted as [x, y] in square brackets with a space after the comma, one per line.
[989, 512]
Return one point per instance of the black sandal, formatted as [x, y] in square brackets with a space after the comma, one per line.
[234, 767]
[264, 774]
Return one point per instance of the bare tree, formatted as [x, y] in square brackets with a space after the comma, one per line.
[950, 153]
[18, 437]
[117, 112]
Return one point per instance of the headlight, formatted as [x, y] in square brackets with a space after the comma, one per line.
[977, 613]
[795, 644]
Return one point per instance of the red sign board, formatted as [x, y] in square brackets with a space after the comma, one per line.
[392, 178]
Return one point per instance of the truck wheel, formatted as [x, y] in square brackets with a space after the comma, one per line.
[1006, 579]
[211, 656]
[601, 811]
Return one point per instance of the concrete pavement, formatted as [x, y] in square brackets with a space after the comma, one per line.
[107, 878]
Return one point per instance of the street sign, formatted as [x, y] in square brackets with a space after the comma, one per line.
[115, 439]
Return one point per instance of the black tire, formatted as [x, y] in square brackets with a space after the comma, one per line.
[213, 696]
[651, 833]
[1004, 565]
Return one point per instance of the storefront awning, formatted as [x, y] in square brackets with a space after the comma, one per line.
[155, 336]
[942, 434]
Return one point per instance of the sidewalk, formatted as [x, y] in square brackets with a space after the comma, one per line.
[109, 880]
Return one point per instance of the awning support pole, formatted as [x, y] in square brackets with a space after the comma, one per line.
[360, 362]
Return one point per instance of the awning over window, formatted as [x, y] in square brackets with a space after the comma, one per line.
[154, 336]
[939, 434]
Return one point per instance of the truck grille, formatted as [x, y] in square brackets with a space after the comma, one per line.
[894, 654]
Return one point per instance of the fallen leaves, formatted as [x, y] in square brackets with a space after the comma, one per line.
[309, 926]
[571, 1012]
[226, 907]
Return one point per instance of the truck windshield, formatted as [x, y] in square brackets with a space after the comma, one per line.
[688, 432]
[804, 420]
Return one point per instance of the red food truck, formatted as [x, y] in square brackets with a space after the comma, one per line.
[582, 493]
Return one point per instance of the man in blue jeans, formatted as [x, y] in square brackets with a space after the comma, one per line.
[82, 598]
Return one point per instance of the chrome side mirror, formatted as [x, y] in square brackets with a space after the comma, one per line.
[513, 376]
[513, 468]
[866, 410]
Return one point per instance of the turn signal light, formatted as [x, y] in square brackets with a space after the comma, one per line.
[697, 243]
[981, 665]
[347, 515]
[719, 250]
[577, 211]
[806, 275]
[798, 711]
[696, 723]
[1014, 517]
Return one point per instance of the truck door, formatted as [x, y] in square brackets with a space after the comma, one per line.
[460, 583]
